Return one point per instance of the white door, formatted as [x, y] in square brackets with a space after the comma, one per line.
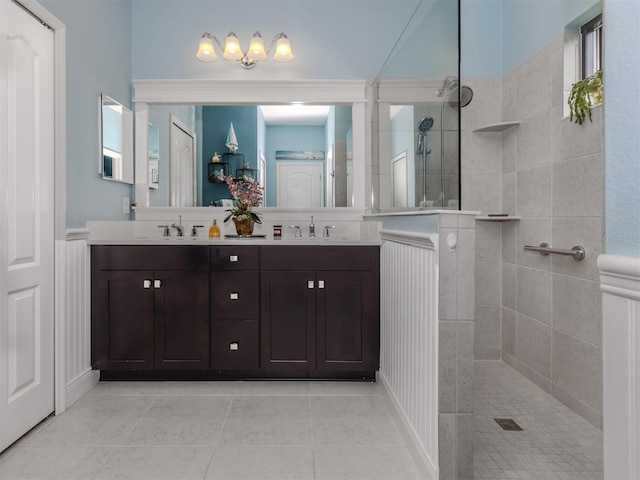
[182, 184]
[26, 222]
[299, 184]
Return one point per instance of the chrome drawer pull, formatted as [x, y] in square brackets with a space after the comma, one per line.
[320, 283]
[233, 258]
[234, 296]
[157, 283]
[234, 346]
[147, 284]
[310, 284]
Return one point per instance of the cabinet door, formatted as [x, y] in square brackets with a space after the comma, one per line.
[347, 321]
[181, 302]
[122, 320]
[288, 321]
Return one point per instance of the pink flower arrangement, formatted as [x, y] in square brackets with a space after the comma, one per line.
[247, 195]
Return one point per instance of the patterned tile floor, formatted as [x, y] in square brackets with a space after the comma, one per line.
[555, 442]
[292, 430]
[217, 430]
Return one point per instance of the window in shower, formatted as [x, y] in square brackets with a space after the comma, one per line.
[591, 45]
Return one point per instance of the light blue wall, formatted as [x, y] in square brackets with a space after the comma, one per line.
[98, 61]
[353, 44]
[289, 138]
[622, 127]
[498, 35]
[429, 46]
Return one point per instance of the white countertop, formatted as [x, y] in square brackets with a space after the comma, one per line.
[318, 241]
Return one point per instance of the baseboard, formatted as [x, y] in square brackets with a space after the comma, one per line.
[426, 468]
[81, 385]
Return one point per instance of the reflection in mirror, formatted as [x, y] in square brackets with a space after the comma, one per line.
[116, 141]
[154, 156]
[422, 156]
[301, 154]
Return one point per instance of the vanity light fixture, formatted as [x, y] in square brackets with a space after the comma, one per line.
[255, 53]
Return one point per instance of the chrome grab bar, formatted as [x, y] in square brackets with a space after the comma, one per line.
[577, 252]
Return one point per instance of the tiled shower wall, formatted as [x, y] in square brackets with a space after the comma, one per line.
[552, 175]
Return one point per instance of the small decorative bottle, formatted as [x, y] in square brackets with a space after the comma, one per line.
[215, 158]
[214, 230]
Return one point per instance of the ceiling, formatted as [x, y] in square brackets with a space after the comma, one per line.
[296, 114]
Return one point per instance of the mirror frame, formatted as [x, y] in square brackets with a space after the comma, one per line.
[254, 92]
[127, 140]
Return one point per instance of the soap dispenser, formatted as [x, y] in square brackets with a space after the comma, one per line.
[214, 230]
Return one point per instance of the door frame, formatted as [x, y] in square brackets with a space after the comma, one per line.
[175, 121]
[59, 190]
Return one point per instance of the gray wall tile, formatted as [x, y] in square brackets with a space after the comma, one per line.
[587, 232]
[578, 187]
[466, 249]
[509, 286]
[487, 283]
[488, 240]
[534, 88]
[447, 441]
[509, 242]
[577, 308]
[577, 368]
[585, 411]
[533, 344]
[464, 367]
[509, 331]
[482, 153]
[487, 331]
[533, 142]
[464, 447]
[481, 193]
[447, 351]
[534, 192]
[534, 294]
[509, 193]
[509, 150]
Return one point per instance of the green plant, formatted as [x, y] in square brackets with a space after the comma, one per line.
[584, 94]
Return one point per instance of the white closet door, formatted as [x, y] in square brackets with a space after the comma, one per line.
[182, 169]
[26, 222]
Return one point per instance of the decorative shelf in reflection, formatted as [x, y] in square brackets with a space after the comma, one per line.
[217, 172]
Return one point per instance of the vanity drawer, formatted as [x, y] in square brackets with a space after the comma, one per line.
[234, 345]
[234, 258]
[235, 295]
[150, 257]
[351, 258]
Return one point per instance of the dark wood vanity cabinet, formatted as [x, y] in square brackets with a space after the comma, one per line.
[235, 301]
[150, 308]
[320, 310]
[263, 311]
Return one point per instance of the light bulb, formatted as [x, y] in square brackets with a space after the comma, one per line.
[206, 50]
[283, 50]
[256, 48]
[232, 50]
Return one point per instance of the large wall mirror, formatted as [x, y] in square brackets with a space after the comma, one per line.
[115, 157]
[285, 131]
[302, 155]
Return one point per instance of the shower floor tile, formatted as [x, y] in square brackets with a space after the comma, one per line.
[555, 443]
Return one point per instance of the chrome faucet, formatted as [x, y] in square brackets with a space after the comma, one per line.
[178, 226]
[194, 230]
[325, 233]
[312, 228]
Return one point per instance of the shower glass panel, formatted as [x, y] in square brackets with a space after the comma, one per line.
[426, 134]
[419, 159]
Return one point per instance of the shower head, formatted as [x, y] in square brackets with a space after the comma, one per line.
[425, 124]
[463, 97]
[449, 85]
